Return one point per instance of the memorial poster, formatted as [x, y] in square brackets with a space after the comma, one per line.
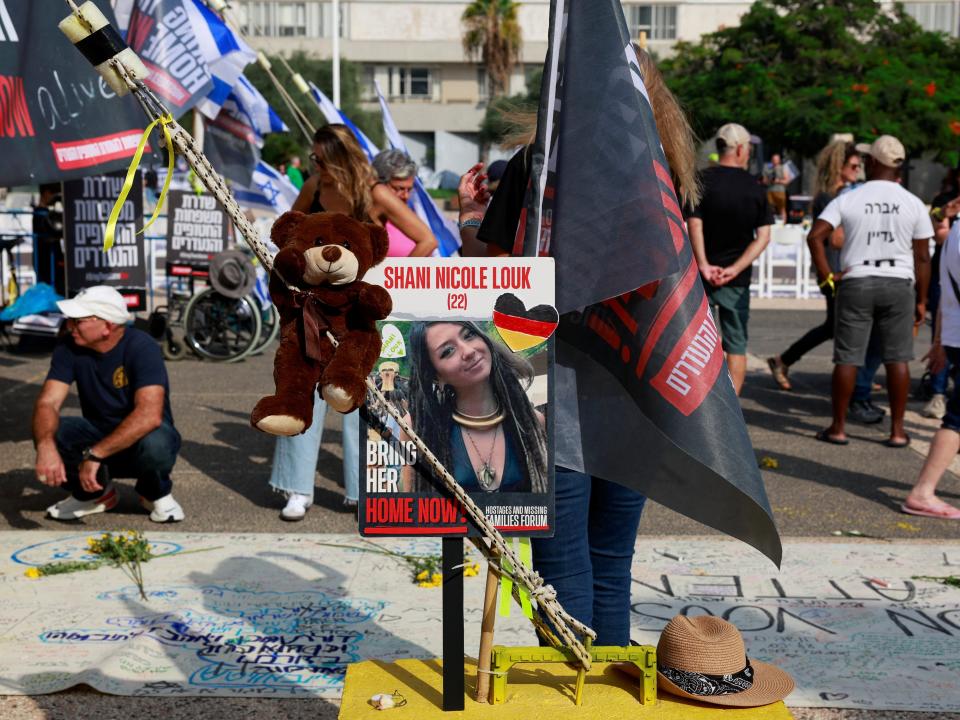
[466, 360]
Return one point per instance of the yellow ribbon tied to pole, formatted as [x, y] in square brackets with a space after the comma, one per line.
[506, 582]
[111, 231]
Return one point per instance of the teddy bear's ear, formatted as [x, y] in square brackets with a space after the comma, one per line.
[379, 241]
[285, 228]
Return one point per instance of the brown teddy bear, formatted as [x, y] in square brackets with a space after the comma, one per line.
[324, 256]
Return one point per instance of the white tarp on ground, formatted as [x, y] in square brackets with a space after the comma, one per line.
[278, 615]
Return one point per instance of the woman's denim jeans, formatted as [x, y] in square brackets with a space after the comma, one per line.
[295, 458]
[589, 558]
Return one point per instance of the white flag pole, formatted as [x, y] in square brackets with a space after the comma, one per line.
[336, 52]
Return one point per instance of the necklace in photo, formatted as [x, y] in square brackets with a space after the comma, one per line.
[478, 422]
[486, 474]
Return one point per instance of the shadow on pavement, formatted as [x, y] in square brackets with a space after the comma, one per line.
[241, 459]
[250, 627]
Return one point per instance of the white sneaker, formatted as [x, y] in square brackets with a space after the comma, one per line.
[164, 510]
[936, 408]
[72, 509]
[296, 507]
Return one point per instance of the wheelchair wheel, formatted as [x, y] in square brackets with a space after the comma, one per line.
[221, 328]
[269, 328]
[171, 347]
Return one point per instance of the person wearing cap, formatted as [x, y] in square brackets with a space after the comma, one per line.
[728, 229]
[126, 428]
[882, 284]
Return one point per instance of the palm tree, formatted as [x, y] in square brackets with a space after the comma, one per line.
[492, 35]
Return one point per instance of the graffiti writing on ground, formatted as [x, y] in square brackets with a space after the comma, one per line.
[856, 624]
[74, 547]
[853, 624]
[288, 641]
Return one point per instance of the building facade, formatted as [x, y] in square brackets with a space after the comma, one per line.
[413, 50]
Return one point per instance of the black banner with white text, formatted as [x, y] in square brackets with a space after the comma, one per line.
[86, 207]
[58, 119]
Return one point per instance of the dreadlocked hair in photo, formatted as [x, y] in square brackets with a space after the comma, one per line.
[432, 406]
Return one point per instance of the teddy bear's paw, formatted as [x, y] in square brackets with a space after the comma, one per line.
[338, 398]
[281, 425]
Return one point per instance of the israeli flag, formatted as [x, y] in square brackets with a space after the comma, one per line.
[246, 105]
[334, 115]
[444, 229]
[269, 190]
[226, 54]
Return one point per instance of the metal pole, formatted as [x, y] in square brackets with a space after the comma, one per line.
[453, 664]
[336, 53]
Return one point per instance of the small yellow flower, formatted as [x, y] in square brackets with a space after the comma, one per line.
[423, 575]
[426, 584]
[436, 578]
[33, 573]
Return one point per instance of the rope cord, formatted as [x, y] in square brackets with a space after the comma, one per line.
[303, 122]
[545, 595]
[498, 548]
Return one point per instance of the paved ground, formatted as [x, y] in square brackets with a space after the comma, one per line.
[221, 480]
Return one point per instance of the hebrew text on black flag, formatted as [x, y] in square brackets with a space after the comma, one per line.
[643, 393]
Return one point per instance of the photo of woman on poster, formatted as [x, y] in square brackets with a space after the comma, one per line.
[468, 403]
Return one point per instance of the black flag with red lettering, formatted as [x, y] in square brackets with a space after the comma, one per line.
[58, 119]
[644, 397]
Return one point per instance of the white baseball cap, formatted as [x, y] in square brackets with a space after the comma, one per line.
[887, 150]
[99, 301]
[732, 135]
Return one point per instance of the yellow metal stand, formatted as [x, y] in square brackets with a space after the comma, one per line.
[643, 656]
[535, 691]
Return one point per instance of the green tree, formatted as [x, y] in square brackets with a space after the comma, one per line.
[492, 34]
[797, 71]
[279, 147]
[499, 119]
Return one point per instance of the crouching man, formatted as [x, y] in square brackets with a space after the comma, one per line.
[126, 429]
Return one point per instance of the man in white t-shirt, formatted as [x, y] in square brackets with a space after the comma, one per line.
[885, 264]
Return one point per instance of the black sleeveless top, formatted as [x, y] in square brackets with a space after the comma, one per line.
[315, 206]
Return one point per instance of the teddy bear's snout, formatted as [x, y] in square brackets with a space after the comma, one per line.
[331, 253]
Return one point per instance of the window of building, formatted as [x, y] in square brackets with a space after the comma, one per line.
[483, 86]
[291, 19]
[411, 82]
[281, 18]
[659, 22]
[368, 87]
[933, 16]
[256, 18]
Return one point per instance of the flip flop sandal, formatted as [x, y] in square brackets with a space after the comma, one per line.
[822, 436]
[951, 513]
[779, 372]
[895, 444]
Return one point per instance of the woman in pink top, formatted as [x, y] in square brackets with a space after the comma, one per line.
[397, 173]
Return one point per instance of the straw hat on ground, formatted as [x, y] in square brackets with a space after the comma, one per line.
[703, 658]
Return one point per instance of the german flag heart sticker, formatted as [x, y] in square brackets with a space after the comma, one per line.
[521, 328]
